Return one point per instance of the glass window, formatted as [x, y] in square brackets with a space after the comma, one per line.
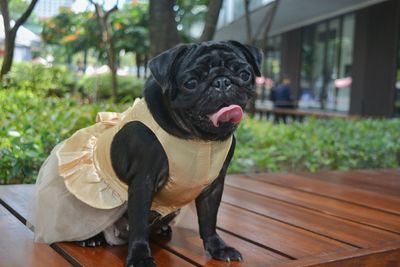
[397, 85]
[272, 61]
[271, 66]
[343, 83]
[326, 64]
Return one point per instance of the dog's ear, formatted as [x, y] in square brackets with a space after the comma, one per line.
[253, 55]
[161, 65]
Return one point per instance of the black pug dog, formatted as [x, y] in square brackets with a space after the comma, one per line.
[189, 86]
[169, 149]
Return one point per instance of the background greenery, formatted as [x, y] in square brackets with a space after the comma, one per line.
[98, 87]
[57, 80]
[32, 124]
[335, 144]
[40, 79]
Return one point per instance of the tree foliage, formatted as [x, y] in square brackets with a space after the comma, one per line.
[74, 32]
[106, 32]
[130, 28]
[77, 32]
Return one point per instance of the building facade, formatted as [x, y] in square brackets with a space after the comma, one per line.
[342, 56]
[49, 8]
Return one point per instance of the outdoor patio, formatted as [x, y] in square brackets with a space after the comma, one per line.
[321, 219]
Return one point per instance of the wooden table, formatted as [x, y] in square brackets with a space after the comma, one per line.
[293, 219]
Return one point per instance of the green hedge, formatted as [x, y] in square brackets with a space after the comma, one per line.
[317, 145]
[99, 87]
[42, 80]
[31, 125]
[57, 80]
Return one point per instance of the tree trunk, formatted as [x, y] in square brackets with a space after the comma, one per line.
[85, 57]
[113, 67]
[69, 60]
[146, 60]
[248, 22]
[11, 33]
[110, 49]
[138, 64]
[9, 53]
[210, 26]
[162, 26]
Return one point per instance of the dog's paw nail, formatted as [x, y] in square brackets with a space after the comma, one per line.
[92, 244]
[164, 227]
[127, 228]
[240, 259]
[83, 244]
[98, 243]
[228, 260]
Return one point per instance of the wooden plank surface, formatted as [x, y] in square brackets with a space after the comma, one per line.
[322, 219]
[329, 226]
[104, 256]
[184, 242]
[367, 180]
[18, 197]
[342, 209]
[18, 249]
[387, 255]
[350, 194]
[292, 241]
[188, 243]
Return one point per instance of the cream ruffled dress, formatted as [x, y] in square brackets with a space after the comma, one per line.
[78, 194]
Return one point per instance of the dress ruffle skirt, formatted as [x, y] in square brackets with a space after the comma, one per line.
[57, 215]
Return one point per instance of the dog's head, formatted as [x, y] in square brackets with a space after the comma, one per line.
[206, 86]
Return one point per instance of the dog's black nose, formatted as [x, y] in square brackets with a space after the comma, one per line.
[221, 83]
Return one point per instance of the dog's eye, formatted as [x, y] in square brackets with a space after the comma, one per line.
[191, 84]
[234, 68]
[244, 75]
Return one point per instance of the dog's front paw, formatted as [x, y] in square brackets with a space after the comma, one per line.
[148, 262]
[140, 256]
[226, 254]
[220, 251]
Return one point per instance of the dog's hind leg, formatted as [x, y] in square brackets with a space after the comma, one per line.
[118, 232]
[94, 241]
[160, 226]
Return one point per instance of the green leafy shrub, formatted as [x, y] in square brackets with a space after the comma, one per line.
[30, 126]
[317, 145]
[99, 86]
[44, 80]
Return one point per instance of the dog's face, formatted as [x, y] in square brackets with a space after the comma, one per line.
[206, 86]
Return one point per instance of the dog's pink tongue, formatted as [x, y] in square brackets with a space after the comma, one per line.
[233, 113]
